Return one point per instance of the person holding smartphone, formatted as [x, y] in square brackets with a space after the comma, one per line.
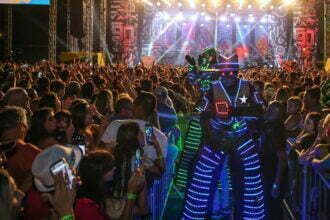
[154, 149]
[52, 164]
[101, 197]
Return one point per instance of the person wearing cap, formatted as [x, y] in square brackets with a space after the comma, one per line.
[165, 111]
[38, 203]
[227, 121]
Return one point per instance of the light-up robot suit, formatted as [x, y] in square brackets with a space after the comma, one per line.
[230, 110]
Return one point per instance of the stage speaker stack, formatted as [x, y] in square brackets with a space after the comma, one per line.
[76, 17]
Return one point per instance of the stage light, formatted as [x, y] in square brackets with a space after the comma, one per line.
[261, 26]
[166, 16]
[228, 25]
[237, 19]
[249, 6]
[179, 4]
[240, 2]
[202, 25]
[288, 2]
[232, 14]
[215, 2]
[228, 6]
[272, 7]
[179, 17]
[263, 20]
[251, 19]
[158, 4]
[207, 18]
[203, 5]
[148, 3]
[192, 5]
[223, 18]
[193, 17]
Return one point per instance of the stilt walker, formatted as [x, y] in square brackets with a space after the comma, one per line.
[228, 121]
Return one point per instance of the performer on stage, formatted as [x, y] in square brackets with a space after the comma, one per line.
[228, 123]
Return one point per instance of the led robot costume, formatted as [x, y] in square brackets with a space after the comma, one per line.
[228, 116]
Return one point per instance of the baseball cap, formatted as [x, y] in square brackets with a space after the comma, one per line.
[43, 179]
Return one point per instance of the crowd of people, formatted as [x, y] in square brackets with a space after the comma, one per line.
[107, 129]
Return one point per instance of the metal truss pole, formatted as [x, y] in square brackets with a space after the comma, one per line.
[103, 25]
[52, 31]
[9, 30]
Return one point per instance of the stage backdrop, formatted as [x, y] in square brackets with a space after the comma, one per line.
[256, 38]
[26, 2]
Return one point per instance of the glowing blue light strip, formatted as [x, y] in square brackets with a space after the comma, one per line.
[208, 159]
[206, 104]
[254, 207]
[198, 193]
[207, 149]
[243, 145]
[252, 168]
[238, 91]
[203, 175]
[248, 149]
[164, 115]
[251, 163]
[255, 213]
[205, 165]
[249, 118]
[250, 157]
[255, 218]
[253, 183]
[257, 99]
[196, 206]
[197, 199]
[254, 194]
[189, 217]
[252, 177]
[203, 170]
[218, 123]
[202, 181]
[238, 131]
[200, 187]
[217, 156]
[253, 188]
[224, 90]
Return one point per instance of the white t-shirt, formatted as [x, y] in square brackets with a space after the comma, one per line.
[110, 136]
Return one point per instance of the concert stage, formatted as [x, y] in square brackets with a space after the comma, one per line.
[259, 34]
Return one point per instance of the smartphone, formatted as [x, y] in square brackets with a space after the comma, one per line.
[149, 132]
[63, 167]
[138, 161]
[82, 148]
[39, 75]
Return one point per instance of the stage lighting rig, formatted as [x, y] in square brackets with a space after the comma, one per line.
[237, 19]
[223, 18]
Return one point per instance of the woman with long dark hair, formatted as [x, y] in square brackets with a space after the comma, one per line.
[82, 120]
[43, 127]
[104, 102]
[129, 139]
[94, 197]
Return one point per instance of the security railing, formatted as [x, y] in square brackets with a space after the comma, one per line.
[314, 194]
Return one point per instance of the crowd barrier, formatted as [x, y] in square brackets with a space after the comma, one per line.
[315, 195]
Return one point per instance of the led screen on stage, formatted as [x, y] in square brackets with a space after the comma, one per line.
[26, 2]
